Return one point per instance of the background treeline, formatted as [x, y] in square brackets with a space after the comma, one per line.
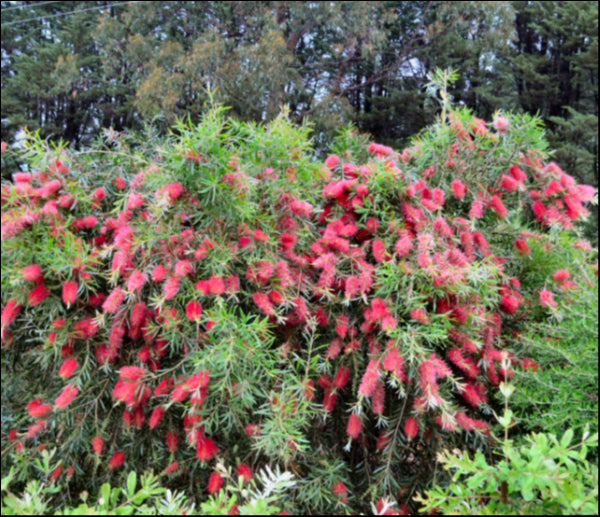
[72, 68]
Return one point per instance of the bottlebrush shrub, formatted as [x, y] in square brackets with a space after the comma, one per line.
[226, 297]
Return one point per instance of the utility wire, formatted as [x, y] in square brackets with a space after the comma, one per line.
[30, 6]
[68, 13]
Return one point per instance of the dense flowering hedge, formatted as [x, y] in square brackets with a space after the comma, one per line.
[222, 296]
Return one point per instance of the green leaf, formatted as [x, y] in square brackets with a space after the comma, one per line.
[567, 438]
[105, 493]
[131, 483]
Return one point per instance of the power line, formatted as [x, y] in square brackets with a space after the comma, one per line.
[30, 6]
[68, 13]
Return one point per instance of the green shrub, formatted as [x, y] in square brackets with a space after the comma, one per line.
[539, 475]
[222, 297]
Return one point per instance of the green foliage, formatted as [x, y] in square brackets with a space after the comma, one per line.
[538, 475]
[563, 393]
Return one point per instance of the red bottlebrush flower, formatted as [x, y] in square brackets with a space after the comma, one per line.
[114, 300]
[99, 195]
[38, 295]
[206, 449]
[562, 275]
[501, 123]
[125, 392]
[171, 468]
[411, 428]
[509, 183]
[9, 313]
[332, 161]
[382, 150]
[343, 376]
[132, 373]
[379, 399]
[139, 417]
[476, 211]
[439, 197]
[37, 408]
[216, 285]
[370, 378]
[420, 315]
[394, 363]
[193, 311]
[518, 174]
[540, 210]
[172, 441]
[498, 206]
[58, 472]
[522, 246]
[379, 251]
[116, 461]
[329, 400]
[159, 273]
[530, 365]
[35, 429]
[171, 287]
[341, 491]
[275, 298]
[354, 426]
[459, 189]
[215, 483]
[183, 268]
[156, 417]
[253, 430]
[32, 273]
[403, 247]
[260, 236]
[68, 368]
[68, 395]
[69, 292]
[509, 304]
[389, 323]
[136, 281]
[175, 190]
[301, 208]
[120, 183]
[245, 472]
[3, 146]
[263, 303]
[547, 299]
[98, 445]
[553, 188]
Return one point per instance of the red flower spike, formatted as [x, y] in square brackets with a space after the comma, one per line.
[69, 292]
[156, 417]
[132, 373]
[68, 368]
[116, 461]
[411, 428]
[370, 378]
[245, 472]
[547, 299]
[67, 396]
[32, 273]
[341, 379]
[193, 311]
[172, 441]
[341, 491]
[206, 449]
[38, 295]
[38, 409]
[98, 445]
[215, 483]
